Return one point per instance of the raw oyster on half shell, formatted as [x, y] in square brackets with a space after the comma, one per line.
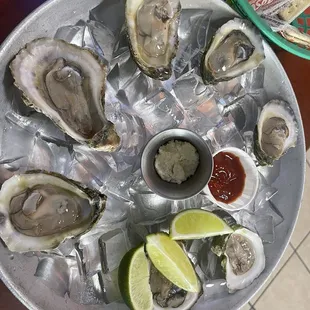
[236, 48]
[276, 132]
[67, 84]
[243, 257]
[39, 210]
[152, 27]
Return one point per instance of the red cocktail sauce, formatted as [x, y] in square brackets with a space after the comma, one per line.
[228, 178]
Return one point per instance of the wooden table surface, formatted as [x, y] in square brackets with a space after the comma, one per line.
[14, 11]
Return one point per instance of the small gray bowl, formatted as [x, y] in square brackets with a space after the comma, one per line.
[193, 185]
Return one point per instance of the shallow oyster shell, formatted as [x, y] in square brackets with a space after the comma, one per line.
[275, 133]
[243, 257]
[236, 48]
[67, 84]
[39, 210]
[156, 61]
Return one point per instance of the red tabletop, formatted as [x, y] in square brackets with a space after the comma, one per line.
[14, 11]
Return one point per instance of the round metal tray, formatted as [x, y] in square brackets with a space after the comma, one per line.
[18, 273]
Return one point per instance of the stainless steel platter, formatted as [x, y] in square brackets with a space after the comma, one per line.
[17, 270]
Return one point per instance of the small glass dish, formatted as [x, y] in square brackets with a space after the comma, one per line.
[250, 186]
[194, 184]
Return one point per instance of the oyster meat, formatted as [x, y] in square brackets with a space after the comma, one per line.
[67, 84]
[39, 210]
[276, 132]
[236, 48]
[168, 296]
[152, 27]
[243, 257]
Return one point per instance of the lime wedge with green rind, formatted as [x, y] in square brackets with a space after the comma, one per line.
[168, 257]
[133, 280]
[197, 224]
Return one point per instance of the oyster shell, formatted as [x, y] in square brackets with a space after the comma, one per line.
[152, 27]
[276, 132]
[67, 84]
[243, 257]
[236, 48]
[39, 210]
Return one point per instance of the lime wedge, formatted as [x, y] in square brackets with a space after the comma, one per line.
[169, 258]
[197, 224]
[133, 280]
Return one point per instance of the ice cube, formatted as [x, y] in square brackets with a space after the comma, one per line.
[208, 205]
[268, 208]
[54, 273]
[246, 219]
[50, 157]
[137, 88]
[149, 208]
[264, 226]
[111, 13]
[123, 69]
[260, 96]
[159, 111]
[39, 125]
[111, 291]
[265, 193]
[118, 184]
[122, 44]
[131, 130]
[225, 134]
[245, 112]
[198, 122]
[92, 257]
[103, 252]
[114, 245]
[190, 90]
[66, 248]
[120, 180]
[90, 42]
[94, 164]
[78, 173]
[71, 34]
[100, 39]
[190, 203]
[114, 216]
[16, 144]
[193, 29]
[115, 211]
[211, 110]
[85, 292]
[229, 91]
[136, 233]
[253, 80]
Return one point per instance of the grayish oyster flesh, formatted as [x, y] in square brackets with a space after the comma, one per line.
[152, 27]
[236, 48]
[40, 210]
[67, 84]
[167, 295]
